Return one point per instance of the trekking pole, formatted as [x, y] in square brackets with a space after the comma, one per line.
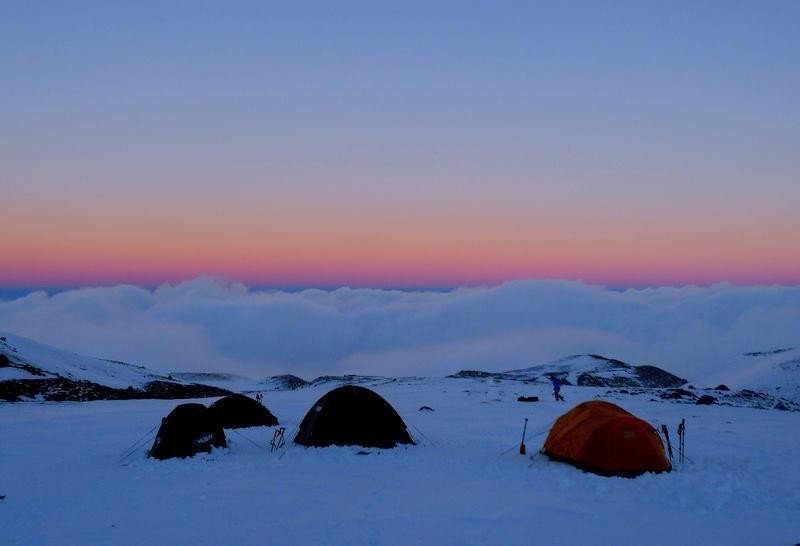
[277, 439]
[665, 432]
[522, 449]
[683, 422]
[681, 438]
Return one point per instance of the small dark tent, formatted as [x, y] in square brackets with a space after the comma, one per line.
[238, 411]
[605, 439]
[186, 431]
[352, 415]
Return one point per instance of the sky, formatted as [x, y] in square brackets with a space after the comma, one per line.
[412, 144]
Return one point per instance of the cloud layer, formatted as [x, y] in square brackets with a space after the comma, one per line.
[207, 324]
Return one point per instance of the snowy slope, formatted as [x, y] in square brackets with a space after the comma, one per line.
[52, 362]
[464, 483]
[776, 371]
[596, 370]
[232, 382]
[31, 371]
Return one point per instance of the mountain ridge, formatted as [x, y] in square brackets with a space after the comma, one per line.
[588, 370]
[30, 370]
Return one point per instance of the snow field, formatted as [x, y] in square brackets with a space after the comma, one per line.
[64, 483]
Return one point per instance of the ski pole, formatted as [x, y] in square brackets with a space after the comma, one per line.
[665, 430]
[522, 449]
[683, 441]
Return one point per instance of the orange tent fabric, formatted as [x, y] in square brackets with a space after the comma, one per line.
[604, 438]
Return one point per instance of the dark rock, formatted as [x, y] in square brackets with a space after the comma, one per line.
[706, 400]
[792, 365]
[589, 380]
[747, 393]
[56, 389]
[290, 382]
[770, 353]
[678, 394]
[759, 400]
[167, 390]
[655, 377]
[468, 374]
[4, 361]
[60, 389]
[722, 387]
[33, 370]
[528, 399]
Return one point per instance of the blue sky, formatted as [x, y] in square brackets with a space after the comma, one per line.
[650, 117]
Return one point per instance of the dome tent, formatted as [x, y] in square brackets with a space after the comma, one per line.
[352, 415]
[186, 431]
[238, 411]
[605, 439]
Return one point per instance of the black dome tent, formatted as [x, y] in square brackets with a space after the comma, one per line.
[238, 411]
[188, 429]
[352, 415]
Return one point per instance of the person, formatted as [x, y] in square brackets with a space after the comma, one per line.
[556, 388]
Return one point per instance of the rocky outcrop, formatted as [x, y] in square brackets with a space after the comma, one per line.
[769, 353]
[744, 398]
[477, 374]
[286, 382]
[589, 380]
[653, 376]
[61, 389]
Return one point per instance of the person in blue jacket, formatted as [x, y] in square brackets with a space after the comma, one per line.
[556, 388]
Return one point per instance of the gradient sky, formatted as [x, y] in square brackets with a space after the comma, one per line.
[626, 143]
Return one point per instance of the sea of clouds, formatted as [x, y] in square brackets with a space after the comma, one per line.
[212, 325]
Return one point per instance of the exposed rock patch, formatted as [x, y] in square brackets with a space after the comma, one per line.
[61, 389]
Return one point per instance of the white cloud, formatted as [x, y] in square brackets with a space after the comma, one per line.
[207, 324]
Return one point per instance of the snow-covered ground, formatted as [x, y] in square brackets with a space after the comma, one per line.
[64, 483]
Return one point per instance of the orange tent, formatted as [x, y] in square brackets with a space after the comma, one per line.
[604, 438]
